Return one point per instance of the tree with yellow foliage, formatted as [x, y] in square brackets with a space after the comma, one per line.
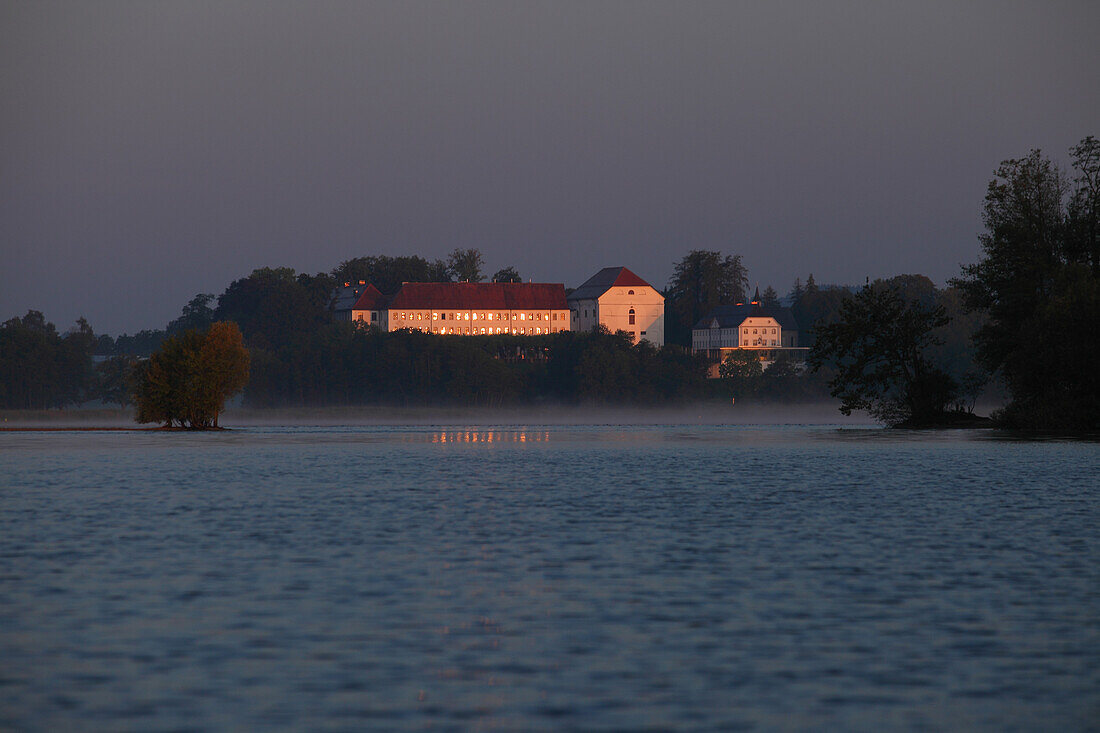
[189, 379]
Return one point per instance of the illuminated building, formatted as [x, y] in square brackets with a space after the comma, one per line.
[621, 301]
[528, 309]
[770, 329]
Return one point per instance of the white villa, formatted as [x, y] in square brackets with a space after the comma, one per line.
[621, 301]
[772, 330]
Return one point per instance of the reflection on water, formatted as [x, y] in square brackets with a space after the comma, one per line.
[488, 436]
[535, 577]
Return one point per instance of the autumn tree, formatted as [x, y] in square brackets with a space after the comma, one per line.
[189, 379]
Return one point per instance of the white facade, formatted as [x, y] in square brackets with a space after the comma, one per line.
[620, 301]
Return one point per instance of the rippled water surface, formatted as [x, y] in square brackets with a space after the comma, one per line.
[548, 578]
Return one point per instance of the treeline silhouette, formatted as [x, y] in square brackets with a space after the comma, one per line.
[338, 364]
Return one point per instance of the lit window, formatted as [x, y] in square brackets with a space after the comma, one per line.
[420, 316]
[523, 316]
[483, 330]
[466, 317]
[359, 317]
[402, 316]
[490, 316]
[435, 316]
[473, 317]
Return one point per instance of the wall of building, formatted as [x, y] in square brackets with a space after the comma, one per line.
[584, 314]
[708, 339]
[480, 322]
[612, 310]
[373, 318]
[757, 332]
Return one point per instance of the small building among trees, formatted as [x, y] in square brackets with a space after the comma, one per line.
[361, 303]
[770, 330]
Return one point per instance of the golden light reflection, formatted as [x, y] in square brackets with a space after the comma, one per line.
[491, 436]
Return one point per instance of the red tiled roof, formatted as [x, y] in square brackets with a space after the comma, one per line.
[604, 280]
[371, 300]
[627, 278]
[480, 296]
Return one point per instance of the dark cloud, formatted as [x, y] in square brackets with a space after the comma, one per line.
[149, 151]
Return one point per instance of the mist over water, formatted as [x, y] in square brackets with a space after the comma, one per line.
[704, 413]
[548, 576]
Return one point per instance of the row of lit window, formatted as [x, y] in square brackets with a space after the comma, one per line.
[490, 437]
[485, 330]
[472, 316]
[754, 331]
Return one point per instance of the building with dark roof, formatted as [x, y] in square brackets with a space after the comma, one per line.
[746, 326]
[619, 300]
[361, 303]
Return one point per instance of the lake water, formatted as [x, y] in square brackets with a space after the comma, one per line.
[548, 577]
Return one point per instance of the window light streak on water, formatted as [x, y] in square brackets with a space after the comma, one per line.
[548, 577]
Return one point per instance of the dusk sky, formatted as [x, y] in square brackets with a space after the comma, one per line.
[151, 151]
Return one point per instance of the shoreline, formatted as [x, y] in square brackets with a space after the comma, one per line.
[121, 420]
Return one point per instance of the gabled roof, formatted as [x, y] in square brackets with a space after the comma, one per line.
[732, 316]
[604, 280]
[480, 296]
[371, 300]
[359, 296]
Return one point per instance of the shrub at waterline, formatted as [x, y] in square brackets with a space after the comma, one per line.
[189, 379]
